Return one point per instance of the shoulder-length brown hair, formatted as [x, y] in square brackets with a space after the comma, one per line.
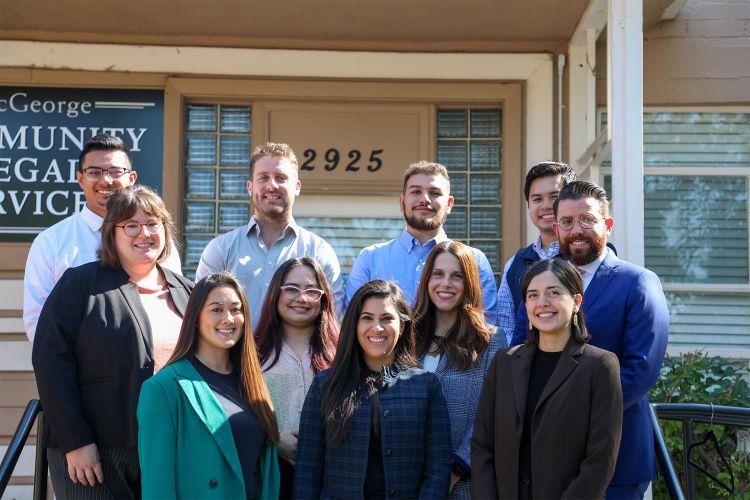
[571, 280]
[242, 354]
[470, 334]
[121, 206]
[346, 381]
[269, 333]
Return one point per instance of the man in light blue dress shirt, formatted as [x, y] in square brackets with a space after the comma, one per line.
[425, 203]
[253, 252]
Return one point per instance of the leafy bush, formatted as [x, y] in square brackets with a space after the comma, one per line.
[699, 378]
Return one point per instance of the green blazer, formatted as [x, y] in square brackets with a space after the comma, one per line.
[185, 444]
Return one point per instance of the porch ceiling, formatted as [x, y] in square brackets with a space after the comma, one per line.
[378, 25]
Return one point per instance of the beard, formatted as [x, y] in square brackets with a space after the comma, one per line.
[428, 223]
[581, 257]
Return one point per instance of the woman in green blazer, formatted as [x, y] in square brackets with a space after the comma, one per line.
[207, 428]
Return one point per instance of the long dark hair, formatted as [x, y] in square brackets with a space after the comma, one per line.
[571, 280]
[269, 334]
[346, 383]
[242, 354]
[469, 335]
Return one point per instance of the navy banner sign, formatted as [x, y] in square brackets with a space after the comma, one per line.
[42, 132]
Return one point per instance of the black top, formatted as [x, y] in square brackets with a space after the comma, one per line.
[541, 370]
[249, 435]
[374, 486]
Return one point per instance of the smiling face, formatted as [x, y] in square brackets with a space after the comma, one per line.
[582, 246]
[273, 188]
[378, 330]
[98, 192]
[550, 306]
[294, 308]
[141, 250]
[221, 320]
[426, 202]
[542, 195]
[446, 284]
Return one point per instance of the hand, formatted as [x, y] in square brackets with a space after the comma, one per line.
[454, 480]
[84, 466]
[288, 446]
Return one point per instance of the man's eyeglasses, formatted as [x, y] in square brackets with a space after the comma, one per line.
[133, 229]
[291, 292]
[585, 221]
[96, 173]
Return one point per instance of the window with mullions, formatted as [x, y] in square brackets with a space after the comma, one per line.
[697, 173]
[469, 144]
[217, 159]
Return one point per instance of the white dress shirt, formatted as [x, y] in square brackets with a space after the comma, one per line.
[71, 242]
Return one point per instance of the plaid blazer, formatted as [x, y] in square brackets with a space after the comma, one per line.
[414, 430]
[462, 390]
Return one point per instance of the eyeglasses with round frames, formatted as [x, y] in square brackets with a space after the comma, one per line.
[96, 173]
[133, 229]
[585, 221]
[291, 292]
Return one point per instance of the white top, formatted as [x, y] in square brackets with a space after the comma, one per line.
[71, 242]
[589, 270]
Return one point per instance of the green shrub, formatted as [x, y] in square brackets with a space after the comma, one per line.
[699, 378]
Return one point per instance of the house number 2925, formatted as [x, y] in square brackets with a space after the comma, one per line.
[332, 158]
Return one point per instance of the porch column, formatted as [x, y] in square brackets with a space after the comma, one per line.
[625, 118]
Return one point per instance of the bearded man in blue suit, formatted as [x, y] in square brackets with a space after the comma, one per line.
[626, 313]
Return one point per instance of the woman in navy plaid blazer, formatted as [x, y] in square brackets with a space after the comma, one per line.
[454, 342]
[374, 425]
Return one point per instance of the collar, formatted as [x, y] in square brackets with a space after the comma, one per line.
[252, 226]
[91, 219]
[409, 241]
[592, 267]
[554, 249]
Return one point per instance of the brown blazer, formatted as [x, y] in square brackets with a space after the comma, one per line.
[575, 431]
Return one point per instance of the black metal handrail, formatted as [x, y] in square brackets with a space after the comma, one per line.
[688, 414]
[30, 414]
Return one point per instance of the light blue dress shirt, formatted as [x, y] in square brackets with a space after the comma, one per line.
[402, 260]
[243, 253]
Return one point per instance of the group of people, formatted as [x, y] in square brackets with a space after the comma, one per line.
[245, 384]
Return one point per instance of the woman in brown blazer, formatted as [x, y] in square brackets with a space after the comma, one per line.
[550, 414]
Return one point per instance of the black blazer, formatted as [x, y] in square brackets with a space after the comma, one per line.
[92, 353]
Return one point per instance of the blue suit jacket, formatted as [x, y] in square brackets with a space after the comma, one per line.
[415, 440]
[626, 313]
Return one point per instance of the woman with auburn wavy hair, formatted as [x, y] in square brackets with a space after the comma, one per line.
[296, 336]
[374, 424]
[206, 425]
[454, 342]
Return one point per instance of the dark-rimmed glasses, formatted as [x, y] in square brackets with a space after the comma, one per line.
[133, 229]
[96, 173]
[291, 292]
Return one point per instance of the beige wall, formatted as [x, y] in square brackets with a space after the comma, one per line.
[702, 57]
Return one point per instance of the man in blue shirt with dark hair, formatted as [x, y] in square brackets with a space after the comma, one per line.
[425, 204]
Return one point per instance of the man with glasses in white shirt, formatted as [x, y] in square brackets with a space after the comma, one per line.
[104, 166]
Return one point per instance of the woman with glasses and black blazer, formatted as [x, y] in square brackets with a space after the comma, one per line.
[103, 331]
